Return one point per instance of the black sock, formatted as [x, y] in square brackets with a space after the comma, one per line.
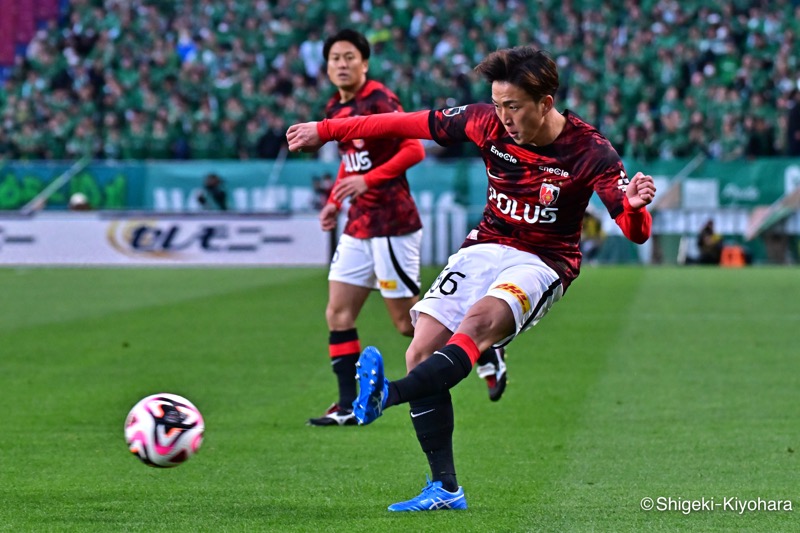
[346, 347]
[433, 421]
[438, 373]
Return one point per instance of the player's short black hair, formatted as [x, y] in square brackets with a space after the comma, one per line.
[526, 67]
[351, 36]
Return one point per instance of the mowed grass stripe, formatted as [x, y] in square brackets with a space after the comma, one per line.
[35, 296]
[567, 354]
[244, 357]
[590, 424]
[691, 408]
[73, 371]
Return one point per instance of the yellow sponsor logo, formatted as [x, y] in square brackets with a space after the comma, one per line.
[519, 293]
[388, 284]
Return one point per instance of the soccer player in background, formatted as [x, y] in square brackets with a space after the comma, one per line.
[542, 167]
[380, 247]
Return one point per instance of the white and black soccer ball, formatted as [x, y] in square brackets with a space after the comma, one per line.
[164, 430]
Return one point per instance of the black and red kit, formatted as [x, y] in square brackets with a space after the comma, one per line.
[386, 208]
[536, 195]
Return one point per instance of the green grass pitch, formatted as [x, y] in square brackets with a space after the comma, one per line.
[641, 382]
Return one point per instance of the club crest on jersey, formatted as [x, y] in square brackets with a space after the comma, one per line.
[358, 143]
[453, 111]
[548, 194]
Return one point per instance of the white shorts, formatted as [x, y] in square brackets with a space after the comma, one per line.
[520, 279]
[390, 264]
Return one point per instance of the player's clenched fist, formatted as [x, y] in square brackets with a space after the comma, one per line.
[641, 190]
[303, 137]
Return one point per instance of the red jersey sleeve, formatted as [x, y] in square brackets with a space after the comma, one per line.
[636, 224]
[610, 183]
[382, 126]
[410, 153]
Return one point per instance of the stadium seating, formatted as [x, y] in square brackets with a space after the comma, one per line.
[147, 79]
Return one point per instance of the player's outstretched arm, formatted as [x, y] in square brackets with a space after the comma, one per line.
[380, 126]
[304, 137]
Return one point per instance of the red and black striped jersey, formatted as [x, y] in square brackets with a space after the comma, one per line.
[537, 195]
[387, 209]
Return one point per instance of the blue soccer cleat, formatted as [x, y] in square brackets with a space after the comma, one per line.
[373, 386]
[433, 498]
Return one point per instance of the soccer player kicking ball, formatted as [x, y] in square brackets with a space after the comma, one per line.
[542, 167]
[380, 246]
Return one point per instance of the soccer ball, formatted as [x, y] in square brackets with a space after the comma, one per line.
[164, 430]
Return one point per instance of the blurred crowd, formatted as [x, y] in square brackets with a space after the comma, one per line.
[222, 79]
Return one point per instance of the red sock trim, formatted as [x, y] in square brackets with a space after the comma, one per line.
[466, 343]
[344, 348]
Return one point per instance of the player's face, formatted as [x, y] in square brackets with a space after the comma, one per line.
[347, 70]
[521, 115]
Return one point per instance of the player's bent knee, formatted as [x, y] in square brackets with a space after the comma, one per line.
[339, 318]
